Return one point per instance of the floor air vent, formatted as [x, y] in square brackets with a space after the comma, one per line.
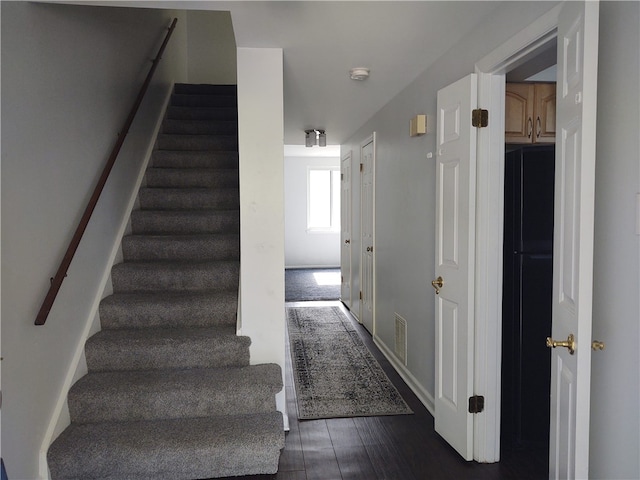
[401, 339]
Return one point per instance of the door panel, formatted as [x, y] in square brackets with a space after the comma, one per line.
[450, 209]
[345, 231]
[565, 457]
[573, 240]
[455, 229]
[367, 154]
[448, 327]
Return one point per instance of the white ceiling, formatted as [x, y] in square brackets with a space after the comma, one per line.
[323, 40]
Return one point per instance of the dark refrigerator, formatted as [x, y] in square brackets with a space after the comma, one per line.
[527, 290]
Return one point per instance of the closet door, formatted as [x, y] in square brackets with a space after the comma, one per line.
[573, 240]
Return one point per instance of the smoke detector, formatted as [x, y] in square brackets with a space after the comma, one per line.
[359, 73]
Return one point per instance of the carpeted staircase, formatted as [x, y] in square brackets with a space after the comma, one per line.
[170, 392]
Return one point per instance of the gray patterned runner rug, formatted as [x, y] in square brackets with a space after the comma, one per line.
[335, 374]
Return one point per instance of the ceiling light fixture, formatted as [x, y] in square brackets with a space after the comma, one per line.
[359, 73]
[315, 137]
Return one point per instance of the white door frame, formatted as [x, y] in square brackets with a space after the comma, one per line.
[491, 72]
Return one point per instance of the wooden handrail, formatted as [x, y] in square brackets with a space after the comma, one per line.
[56, 282]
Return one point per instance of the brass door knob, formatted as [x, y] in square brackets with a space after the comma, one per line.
[569, 343]
[438, 283]
[597, 345]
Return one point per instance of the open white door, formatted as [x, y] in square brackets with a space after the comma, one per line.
[345, 230]
[573, 239]
[455, 230]
[367, 156]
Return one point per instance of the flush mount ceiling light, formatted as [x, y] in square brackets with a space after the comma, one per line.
[315, 137]
[359, 73]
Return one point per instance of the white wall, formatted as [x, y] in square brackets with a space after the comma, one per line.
[405, 194]
[615, 397]
[305, 248]
[260, 135]
[405, 219]
[70, 75]
[211, 48]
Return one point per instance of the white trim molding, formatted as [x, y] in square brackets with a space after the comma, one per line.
[412, 382]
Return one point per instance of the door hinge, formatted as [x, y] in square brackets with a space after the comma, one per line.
[480, 118]
[361, 295]
[476, 404]
[342, 177]
[361, 166]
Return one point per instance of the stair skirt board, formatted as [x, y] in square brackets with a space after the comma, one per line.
[170, 392]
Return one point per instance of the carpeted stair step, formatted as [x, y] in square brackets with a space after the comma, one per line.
[206, 308]
[194, 159]
[198, 100]
[204, 89]
[152, 348]
[179, 221]
[185, 198]
[167, 141]
[179, 393]
[179, 449]
[220, 246]
[192, 177]
[175, 275]
[202, 113]
[200, 127]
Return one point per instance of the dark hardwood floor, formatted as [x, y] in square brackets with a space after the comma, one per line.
[401, 447]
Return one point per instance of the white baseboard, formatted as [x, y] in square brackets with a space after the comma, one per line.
[423, 395]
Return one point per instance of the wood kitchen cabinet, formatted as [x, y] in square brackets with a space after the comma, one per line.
[530, 113]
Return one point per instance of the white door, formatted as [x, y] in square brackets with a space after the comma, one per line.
[345, 230]
[367, 153]
[573, 238]
[455, 228]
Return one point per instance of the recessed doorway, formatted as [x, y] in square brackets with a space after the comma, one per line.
[528, 258]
